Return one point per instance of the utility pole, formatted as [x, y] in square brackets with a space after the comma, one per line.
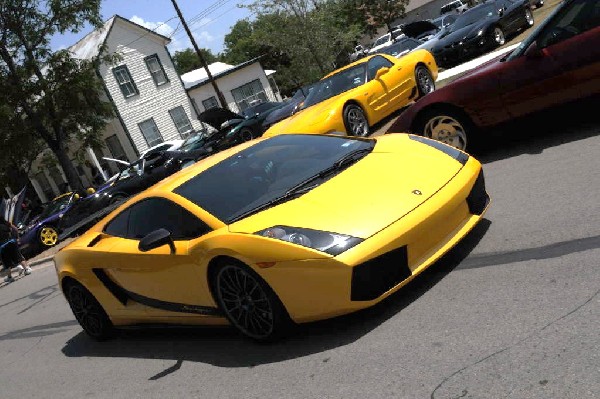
[202, 61]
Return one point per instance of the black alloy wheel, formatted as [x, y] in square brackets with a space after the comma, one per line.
[529, 17]
[425, 83]
[355, 121]
[246, 134]
[248, 302]
[89, 313]
[498, 36]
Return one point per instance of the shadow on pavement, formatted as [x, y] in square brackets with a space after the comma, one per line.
[223, 347]
[535, 133]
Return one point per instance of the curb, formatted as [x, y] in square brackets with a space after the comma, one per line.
[37, 262]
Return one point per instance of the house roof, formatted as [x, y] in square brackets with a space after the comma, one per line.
[90, 44]
[198, 77]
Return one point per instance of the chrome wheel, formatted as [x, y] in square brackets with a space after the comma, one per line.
[448, 130]
[88, 312]
[425, 83]
[48, 236]
[499, 36]
[244, 301]
[529, 17]
[355, 120]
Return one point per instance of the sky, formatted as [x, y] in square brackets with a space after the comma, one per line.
[209, 20]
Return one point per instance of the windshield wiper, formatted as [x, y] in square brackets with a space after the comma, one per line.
[305, 185]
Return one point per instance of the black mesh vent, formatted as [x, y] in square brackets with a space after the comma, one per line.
[376, 276]
[478, 198]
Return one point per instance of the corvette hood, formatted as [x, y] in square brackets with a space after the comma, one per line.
[417, 28]
[398, 176]
[215, 117]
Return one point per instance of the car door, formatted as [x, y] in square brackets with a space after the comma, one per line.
[389, 91]
[166, 281]
[512, 15]
[554, 69]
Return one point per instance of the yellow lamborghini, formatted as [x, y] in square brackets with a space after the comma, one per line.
[354, 98]
[277, 231]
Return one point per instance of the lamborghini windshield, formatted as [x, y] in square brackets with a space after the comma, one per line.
[335, 84]
[272, 170]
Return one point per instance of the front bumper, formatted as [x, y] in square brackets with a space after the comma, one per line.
[382, 264]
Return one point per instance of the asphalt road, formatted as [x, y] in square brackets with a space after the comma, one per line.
[512, 312]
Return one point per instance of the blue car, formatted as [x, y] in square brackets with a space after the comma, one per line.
[42, 232]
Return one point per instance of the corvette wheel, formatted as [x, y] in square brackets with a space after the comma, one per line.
[248, 302]
[425, 83]
[48, 236]
[89, 313]
[246, 135]
[498, 36]
[355, 121]
[448, 127]
[529, 17]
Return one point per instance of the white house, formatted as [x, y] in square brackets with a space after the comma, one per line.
[241, 85]
[148, 97]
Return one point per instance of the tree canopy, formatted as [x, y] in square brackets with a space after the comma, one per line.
[187, 60]
[55, 97]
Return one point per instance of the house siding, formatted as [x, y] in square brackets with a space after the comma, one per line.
[232, 81]
[152, 101]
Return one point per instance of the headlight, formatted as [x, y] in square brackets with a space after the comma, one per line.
[331, 243]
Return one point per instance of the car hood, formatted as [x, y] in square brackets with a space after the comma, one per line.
[361, 200]
[415, 29]
[215, 117]
[461, 34]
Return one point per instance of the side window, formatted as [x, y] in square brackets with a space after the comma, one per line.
[375, 64]
[118, 226]
[576, 18]
[155, 213]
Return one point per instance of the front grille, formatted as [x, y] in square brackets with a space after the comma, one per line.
[478, 197]
[378, 275]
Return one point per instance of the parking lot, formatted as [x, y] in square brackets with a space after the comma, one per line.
[511, 312]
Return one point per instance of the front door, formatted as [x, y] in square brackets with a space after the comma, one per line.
[168, 282]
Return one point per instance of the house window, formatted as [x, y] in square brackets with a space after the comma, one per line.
[125, 82]
[115, 148]
[156, 69]
[42, 180]
[181, 121]
[248, 94]
[210, 103]
[150, 132]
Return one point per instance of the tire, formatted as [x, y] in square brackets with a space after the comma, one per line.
[355, 121]
[424, 80]
[248, 302]
[448, 126]
[48, 236]
[88, 312]
[529, 21]
[498, 36]
[246, 134]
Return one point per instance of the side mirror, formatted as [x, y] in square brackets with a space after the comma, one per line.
[156, 239]
[381, 71]
[533, 51]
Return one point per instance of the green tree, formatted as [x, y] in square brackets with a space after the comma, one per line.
[306, 37]
[383, 12]
[56, 96]
[187, 60]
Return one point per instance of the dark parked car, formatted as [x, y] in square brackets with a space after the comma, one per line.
[193, 149]
[137, 177]
[232, 128]
[481, 29]
[548, 68]
[291, 106]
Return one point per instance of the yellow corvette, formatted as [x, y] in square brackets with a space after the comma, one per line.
[361, 94]
[292, 228]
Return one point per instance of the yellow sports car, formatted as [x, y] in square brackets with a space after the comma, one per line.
[292, 228]
[361, 94]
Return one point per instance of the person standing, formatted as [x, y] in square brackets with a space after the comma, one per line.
[9, 250]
